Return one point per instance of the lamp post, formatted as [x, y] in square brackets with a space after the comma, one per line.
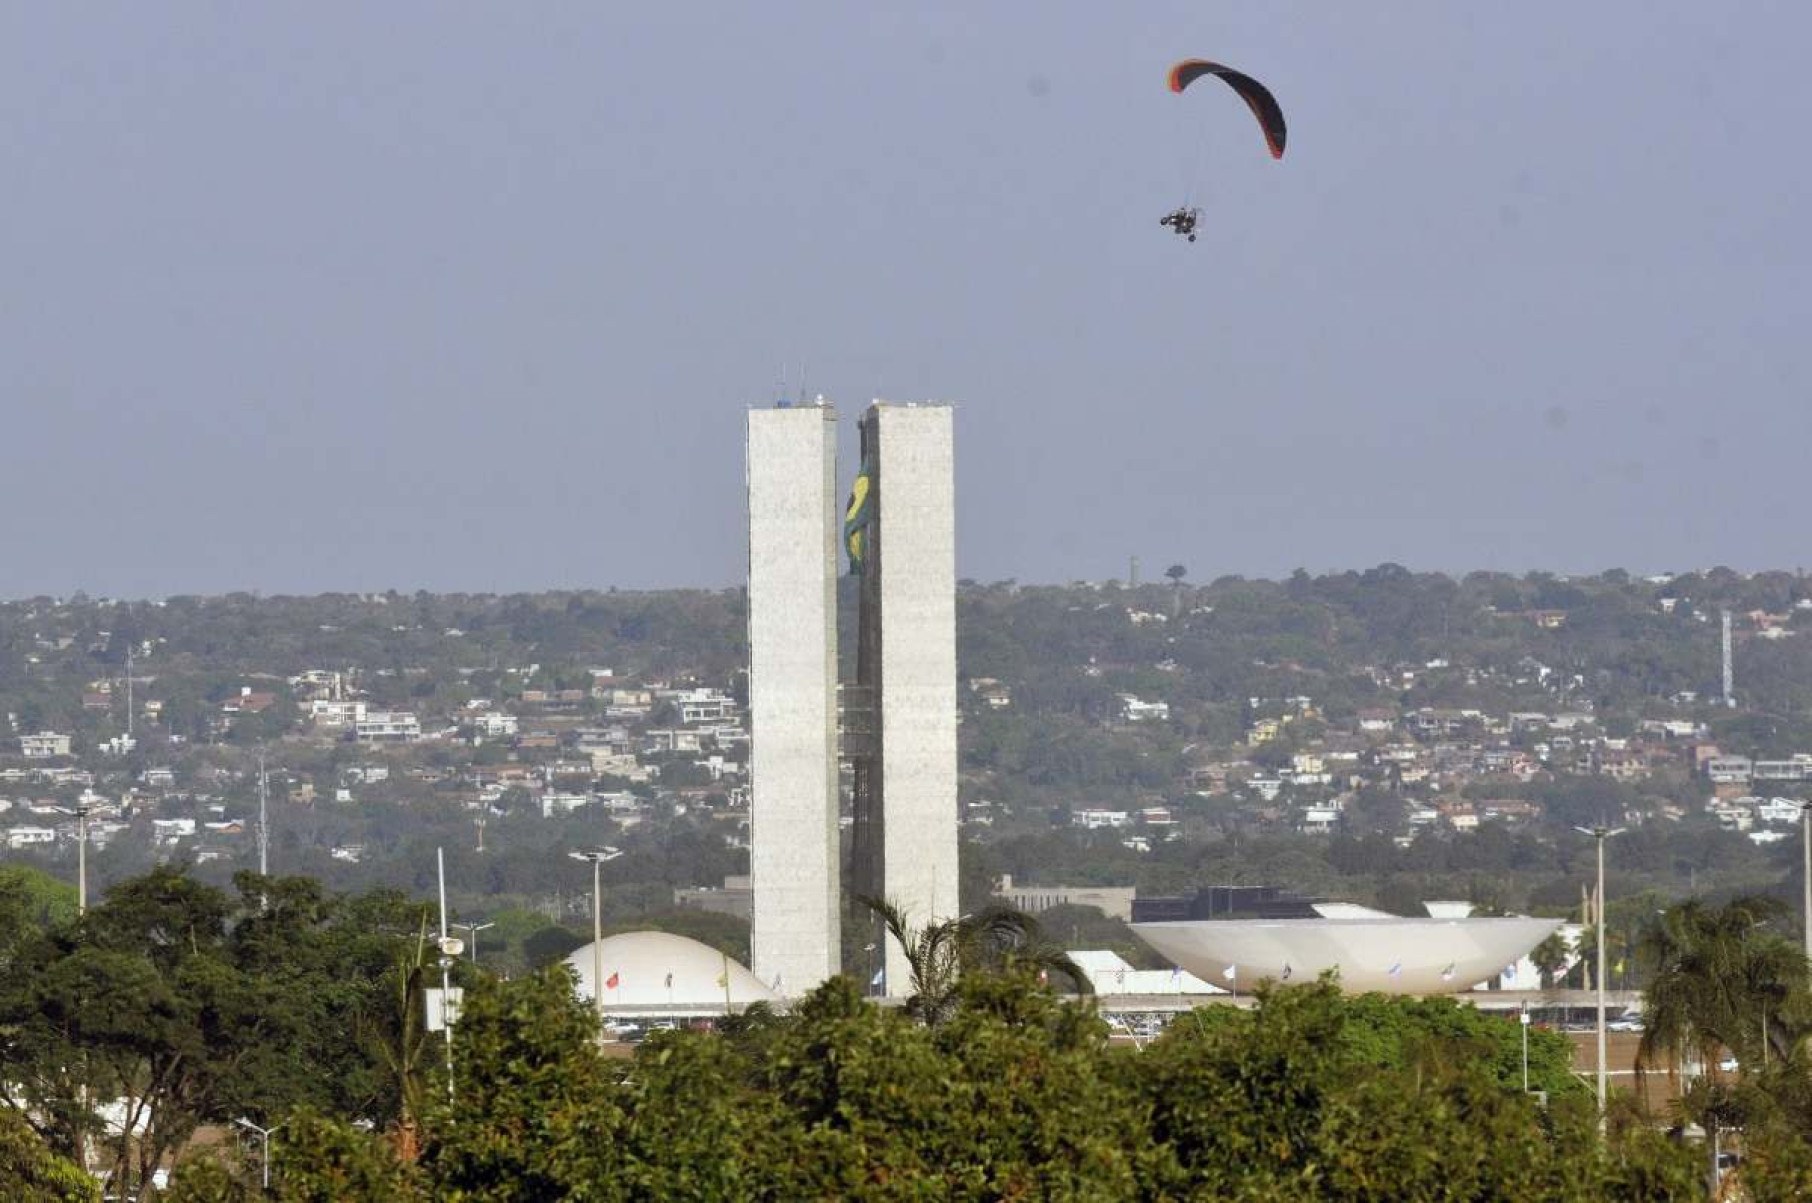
[1523, 1019]
[264, 1156]
[1805, 812]
[597, 857]
[81, 810]
[450, 948]
[1600, 833]
[473, 929]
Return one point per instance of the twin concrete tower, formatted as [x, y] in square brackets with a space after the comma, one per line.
[893, 724]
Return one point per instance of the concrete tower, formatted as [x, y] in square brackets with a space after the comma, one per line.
[901, 714]
[793, 858]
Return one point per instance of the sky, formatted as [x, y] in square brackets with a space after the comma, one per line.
[340, 297]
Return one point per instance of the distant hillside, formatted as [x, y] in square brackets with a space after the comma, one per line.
[1377, 734]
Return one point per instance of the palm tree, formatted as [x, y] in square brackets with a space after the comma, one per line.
[1720, 979]
[995, 940]
[1549, 958]
[398, 1042]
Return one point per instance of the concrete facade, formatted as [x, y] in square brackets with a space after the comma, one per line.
[793, 838]
[910, 586]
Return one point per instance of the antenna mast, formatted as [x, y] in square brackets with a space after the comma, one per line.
[1729, 670]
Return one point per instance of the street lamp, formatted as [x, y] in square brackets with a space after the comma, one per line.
[450, 948]
[81, 810]
[597, 857]
[1522, 1018]
[1600, 833]
[264, 1156]
[474, 929]
[1805, 812]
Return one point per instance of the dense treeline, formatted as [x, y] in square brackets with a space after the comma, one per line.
[1234, 639]
[1223, 643]
[1018, 1095]
[191, 1006]
[182, 1009]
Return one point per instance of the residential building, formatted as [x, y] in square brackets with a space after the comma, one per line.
[387, 726]
[1136, 710]
[335, 712]
[248, 701]
[43, 745]
[492, 724]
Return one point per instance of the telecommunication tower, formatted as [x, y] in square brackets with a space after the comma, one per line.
[1729, 671]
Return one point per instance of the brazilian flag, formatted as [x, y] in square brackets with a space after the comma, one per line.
[857, 517]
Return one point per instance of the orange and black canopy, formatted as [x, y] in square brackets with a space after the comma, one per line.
[1257, 97]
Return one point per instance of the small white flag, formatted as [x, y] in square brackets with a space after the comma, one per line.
[1229, 972]
[1447, 973]
[880, 975]
[1396, 970]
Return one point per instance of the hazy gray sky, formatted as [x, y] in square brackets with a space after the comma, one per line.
[453, 296]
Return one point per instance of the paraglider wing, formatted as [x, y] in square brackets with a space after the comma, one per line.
[1258, 98]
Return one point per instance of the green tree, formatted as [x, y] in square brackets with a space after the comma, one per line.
[30, 1169]
[939, 953]
[1052, 1114]
[537, 1112]
[398, 1043]
[1719, 978]
[698, 1126]
[1315, 1097]
[320, 1159]
[190, 1006]
[1550, 957]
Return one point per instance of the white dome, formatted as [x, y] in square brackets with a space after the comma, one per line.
[654, 969]
[1393, 956]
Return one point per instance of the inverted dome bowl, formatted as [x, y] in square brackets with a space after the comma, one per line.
[1389, 955]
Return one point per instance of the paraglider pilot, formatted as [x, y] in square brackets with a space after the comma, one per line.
[1182, 222]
